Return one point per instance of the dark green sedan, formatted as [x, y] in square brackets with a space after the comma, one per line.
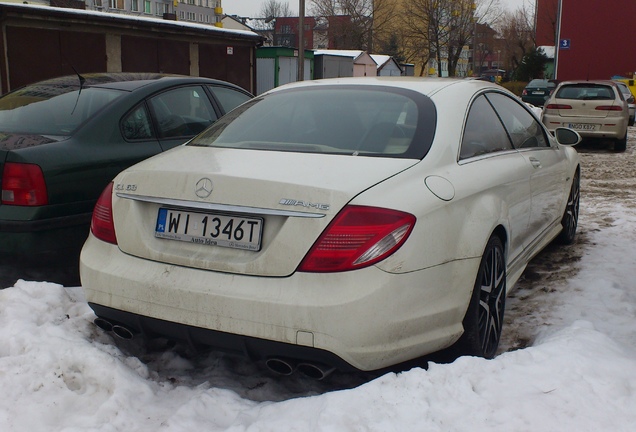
[63, 140]
[538, 91]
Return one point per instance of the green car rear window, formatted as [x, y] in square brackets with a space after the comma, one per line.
[52, 110]
[351, 120]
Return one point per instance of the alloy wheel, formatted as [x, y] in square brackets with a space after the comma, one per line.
[492, 297]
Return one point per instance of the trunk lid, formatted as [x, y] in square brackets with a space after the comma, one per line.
[294, 195]
[13, 141]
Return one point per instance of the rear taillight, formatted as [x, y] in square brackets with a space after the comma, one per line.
[524, 92]
[102, 225]
[558, 106]
[23, 185]
[609, 108]
[358, 237]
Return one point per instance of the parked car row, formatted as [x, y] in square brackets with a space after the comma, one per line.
[63, 140]
[340, 224]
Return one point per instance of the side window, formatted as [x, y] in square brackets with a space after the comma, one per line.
[483, 133]
[525, 131]
[228, 98]
[136, 125]
[182, 112]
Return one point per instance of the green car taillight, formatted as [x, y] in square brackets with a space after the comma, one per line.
[23, 185]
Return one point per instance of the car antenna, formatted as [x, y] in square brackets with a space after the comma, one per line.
[82, 80]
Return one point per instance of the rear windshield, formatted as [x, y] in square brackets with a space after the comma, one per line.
[540, 83]
[51, 110]
[352, 120]
[586, 92]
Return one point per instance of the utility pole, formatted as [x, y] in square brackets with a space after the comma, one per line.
[301, 40]
[557, 42]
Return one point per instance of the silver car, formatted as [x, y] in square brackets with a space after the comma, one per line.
[595, 109]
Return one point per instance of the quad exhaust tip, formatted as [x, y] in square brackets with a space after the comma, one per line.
[118, 329]
[280, 366]
[287, 367]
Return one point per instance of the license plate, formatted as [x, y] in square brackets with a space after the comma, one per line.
[210, 229]
[583, 126]
[538, 92]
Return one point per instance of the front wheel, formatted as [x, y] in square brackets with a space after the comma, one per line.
[484, 318]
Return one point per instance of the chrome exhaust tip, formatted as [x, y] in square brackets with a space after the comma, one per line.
[123, 332]
[280, 366]
[103, 324]
[315, 370]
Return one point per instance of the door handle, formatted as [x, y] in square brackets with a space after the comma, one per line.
[535, 162]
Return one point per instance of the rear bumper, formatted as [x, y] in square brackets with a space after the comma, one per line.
[367, 319]
[201, 338]
[53, 238]
[610, 128]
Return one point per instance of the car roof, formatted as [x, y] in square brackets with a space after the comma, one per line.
[425, 85]
[577, 82]
[127, 81]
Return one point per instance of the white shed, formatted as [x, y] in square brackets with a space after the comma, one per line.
[387, 66]
[339, 63]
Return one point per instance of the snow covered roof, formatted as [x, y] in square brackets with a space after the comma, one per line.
[259, 24]
[548, 50]
[131, 18]
[354, 54]
[380, 59]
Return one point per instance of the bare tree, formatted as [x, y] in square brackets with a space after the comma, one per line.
[357, 24]
[442, 29]
[274, 8]
[516, 30]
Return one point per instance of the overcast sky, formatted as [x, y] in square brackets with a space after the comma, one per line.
[252, 8]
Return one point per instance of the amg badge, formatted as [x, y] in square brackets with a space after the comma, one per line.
[293, 202]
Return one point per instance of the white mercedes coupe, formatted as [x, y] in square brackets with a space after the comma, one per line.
[347, 224]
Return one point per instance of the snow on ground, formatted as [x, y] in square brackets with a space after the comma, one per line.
[568, 359]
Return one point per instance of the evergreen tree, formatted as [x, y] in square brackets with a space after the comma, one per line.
[532, 65]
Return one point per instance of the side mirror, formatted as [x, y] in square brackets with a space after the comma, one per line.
[565, 136]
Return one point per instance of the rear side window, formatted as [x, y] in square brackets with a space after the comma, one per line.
[524, 130]
[182, 112]
[483, 132]
[229, 98]
[136, 125]
[586, 92]
[353, 120]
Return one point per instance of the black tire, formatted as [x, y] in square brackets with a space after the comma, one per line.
[620, 145]
[570, 218]
[484, 318]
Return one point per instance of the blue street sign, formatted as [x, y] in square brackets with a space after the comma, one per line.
[564, 44]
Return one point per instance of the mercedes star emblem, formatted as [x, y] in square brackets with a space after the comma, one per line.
[203, 188]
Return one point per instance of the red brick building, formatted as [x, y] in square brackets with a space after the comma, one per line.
[595, 37]
[286, 32]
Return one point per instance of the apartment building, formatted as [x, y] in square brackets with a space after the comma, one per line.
[196, 11]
